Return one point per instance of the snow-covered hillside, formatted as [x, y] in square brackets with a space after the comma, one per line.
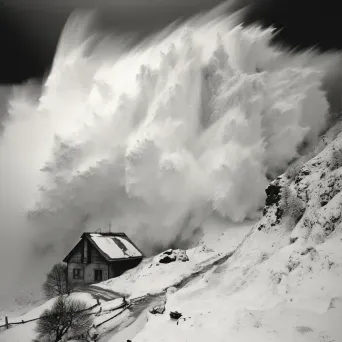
[284, 282]
[151, 277]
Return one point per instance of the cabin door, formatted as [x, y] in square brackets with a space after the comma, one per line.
[98, 275]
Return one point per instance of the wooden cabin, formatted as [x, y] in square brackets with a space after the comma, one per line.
[101, 256]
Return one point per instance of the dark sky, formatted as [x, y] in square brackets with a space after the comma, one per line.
[303, 23]
[29, 29]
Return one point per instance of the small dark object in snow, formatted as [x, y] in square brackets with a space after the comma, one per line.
[166, 259]
[324, 203]
[293, 240]
[279, 215]
[175, 315]
[179, 320]
[168, 252]
[305, 172]
[159, 309]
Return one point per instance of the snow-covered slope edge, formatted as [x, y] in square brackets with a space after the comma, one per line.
[284, 282]
[150, 279]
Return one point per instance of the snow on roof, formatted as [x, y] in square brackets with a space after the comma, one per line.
[116, 247]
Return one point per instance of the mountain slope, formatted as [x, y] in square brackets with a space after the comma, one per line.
[283, 283]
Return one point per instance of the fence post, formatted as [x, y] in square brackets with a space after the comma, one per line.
[6, 322]
[98, 301]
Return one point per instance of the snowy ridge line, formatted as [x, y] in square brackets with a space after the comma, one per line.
[145, 300]
[148, 298]
[35, 319]
[183, 282]
[205, 269]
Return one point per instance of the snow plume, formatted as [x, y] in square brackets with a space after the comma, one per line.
[156, 138]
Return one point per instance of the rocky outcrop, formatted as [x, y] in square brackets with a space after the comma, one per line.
[172, 255]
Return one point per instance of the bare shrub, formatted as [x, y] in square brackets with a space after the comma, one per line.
[67, 317]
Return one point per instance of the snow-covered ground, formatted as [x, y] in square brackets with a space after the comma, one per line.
[150, 277]
[22, 303]
[284, 283]
[25, 332]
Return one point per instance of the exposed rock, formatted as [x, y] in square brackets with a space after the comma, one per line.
[173, 255]
[273, 193]
[167, 259]
[159, 309]
[175, 315]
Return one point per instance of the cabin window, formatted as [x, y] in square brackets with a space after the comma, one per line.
[78, 273]
[98, 275]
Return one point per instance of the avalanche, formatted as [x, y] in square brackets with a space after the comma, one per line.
[188, 123]
[156, 139]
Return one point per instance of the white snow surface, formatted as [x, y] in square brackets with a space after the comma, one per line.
[109, 246]
[25, 332]
[283, 283]
[149, 277]
[152, 277]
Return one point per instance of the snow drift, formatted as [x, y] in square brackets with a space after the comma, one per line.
[283, 282]
[156, 138]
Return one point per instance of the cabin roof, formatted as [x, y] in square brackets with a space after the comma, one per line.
[112, 246]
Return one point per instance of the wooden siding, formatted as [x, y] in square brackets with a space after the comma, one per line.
[77, 254]
[88, 272]
[95, 256]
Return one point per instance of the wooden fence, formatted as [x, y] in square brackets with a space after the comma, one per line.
[8, 324]
[123, 306]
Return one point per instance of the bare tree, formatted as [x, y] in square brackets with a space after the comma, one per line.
[67, 317]
[56, 282]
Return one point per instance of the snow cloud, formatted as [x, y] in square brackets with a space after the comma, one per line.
[154, 139]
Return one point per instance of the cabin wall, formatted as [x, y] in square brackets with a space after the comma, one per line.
[116, 268]
[77, 255]
[85, 251]
[88, 272]
[95, 256]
